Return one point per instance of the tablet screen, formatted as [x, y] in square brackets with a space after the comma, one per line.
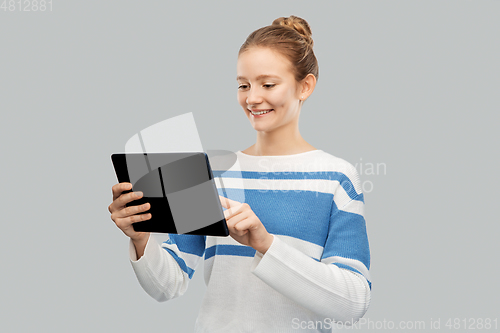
[180, 188]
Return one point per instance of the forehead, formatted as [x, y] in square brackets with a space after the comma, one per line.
[259, 61]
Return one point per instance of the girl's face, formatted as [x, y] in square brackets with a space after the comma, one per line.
[266, 83]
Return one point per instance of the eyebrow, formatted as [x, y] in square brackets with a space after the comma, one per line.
[263, 76]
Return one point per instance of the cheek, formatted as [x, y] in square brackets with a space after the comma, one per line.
[280, 98]
[241, 99]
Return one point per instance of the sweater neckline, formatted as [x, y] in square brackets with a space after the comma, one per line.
[278, 156]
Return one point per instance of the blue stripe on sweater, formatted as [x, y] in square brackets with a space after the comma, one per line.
[324, 175]
[182, 264]
[192, 244]
[229, 250]
[307, 213]
[347, 237]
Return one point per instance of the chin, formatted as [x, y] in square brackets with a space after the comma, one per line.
[260, 128]
[260, 124]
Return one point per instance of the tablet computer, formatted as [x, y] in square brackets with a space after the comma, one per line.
[180, 188]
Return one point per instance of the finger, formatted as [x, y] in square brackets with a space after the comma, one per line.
[228, 203]
[126, 222]
[119, 188]
[129, 197]
[233, 208]
[240, 222]
[245, 225]
[232, 220]
[240, 233]
[131, 210]
[123, 199]
[232, 212]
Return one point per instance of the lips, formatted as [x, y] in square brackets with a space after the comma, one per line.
[260, 112]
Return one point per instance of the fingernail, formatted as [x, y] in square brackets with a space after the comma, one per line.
[138, 193]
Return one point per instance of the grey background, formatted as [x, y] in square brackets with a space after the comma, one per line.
[411, 84]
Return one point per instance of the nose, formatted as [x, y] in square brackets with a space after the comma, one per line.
[253, 97]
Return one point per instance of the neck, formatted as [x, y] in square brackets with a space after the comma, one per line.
[282, 141]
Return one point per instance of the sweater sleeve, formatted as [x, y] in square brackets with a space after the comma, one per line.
[164, 271]
[337, 286]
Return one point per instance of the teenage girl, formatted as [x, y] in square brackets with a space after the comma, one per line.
[297, 258]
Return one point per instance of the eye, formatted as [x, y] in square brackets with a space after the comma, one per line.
[242, 86]
[269, 86]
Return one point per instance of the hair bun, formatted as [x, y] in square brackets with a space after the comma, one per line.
[298, 24]
[291, 37]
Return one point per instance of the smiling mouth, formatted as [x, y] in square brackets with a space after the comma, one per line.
[258, 113]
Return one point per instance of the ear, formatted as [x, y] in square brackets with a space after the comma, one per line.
[307, 86]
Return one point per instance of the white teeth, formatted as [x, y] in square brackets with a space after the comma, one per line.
[259, 113]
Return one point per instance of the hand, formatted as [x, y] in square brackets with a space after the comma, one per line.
[244, 226]
[124, 216]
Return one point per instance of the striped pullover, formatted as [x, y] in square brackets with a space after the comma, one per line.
[313, 276]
